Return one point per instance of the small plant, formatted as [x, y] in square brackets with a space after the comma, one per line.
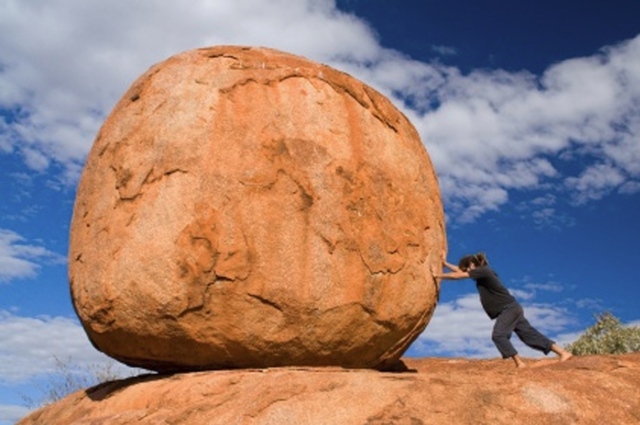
[70, 377]
[607, 336]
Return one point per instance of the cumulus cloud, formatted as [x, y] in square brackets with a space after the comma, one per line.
[595, 182]
[57, 84]
[549, 286]
[30, 346]
[22, 260]
[37, 351]
[445, 50]
[510, 131]
[489, 132]
[457, 328]
[10, 414]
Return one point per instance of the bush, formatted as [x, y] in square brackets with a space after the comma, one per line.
[607, 336]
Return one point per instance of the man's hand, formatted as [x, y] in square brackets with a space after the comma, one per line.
[451, 267]
[454, 274]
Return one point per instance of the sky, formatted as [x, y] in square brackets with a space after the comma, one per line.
[529, 110]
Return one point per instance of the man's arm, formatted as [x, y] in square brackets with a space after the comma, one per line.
[454, 274]
[451, 267]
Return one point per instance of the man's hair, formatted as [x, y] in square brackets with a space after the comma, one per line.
[478, 260]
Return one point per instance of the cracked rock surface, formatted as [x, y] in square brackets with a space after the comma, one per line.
[591, 390]
[244, 207]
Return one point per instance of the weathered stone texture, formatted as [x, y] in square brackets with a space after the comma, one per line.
[244, 207]
[591, 390]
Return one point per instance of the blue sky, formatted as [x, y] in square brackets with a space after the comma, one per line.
[529, 110]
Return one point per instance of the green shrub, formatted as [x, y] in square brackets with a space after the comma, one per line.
[607, 336]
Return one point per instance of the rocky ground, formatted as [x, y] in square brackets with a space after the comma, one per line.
[583, 390]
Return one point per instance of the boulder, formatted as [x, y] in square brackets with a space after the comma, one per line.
[584, 390]
[244, 207]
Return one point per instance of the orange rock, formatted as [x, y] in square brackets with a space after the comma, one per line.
[245, 207]
[583, 390]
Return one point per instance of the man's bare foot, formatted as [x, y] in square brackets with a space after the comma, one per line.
[561, 352]
[518, 361]
[565, 356]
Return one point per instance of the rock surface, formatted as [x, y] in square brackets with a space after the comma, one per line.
[244, 207]
[584, 390]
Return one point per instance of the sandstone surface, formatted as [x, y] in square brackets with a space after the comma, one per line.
[244, 207]
[584, 390]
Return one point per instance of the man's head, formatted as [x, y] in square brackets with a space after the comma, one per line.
[470, 262]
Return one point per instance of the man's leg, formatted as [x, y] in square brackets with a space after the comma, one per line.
[532, 337]
[536, 340]
[502, 330]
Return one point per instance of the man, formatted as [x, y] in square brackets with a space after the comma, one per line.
[500, 305]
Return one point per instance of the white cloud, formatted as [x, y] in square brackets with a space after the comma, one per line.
[10, 414]
[548, 318]
[491, 124]
[30, 346]
[565, 339]
[594, 182]
[549, 286]
[65, 77]
[592, 304]
[630, 187]
[458, 328]
[21, 260]
[37, 353]
[488, 132]
[445, 50]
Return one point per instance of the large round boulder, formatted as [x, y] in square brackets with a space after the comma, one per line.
[244, 207]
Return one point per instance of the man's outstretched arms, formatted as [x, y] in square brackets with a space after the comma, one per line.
[454, 274]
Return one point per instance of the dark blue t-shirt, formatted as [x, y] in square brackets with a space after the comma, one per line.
[494, 297]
